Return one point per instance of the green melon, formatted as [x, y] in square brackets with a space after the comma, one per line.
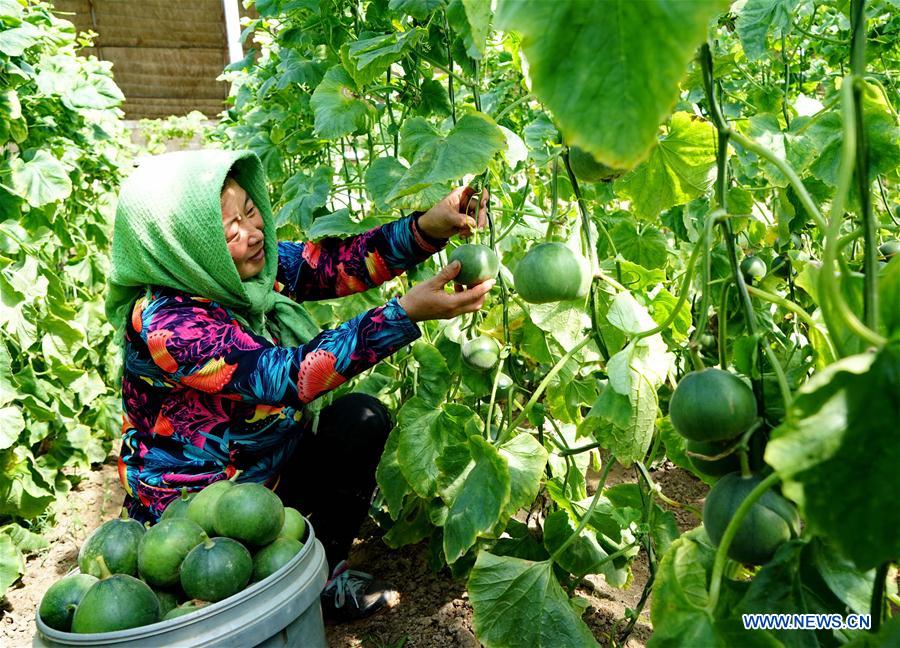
[712, 467]
[753, 268]
[294, 526]
[481, 353]
[771, 521]
[60, 601]
[117, 542]
[274, 556]
[587, 168]
[202, 507]
[250, 513]
[479, 263]
[551, 272]
[187, 608]
[712, 405]
[168, 601]
[163, 548]
[216, 569]
[118, 602]
[889, 248]
[178, 507]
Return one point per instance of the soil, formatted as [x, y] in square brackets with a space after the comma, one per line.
[433, 610]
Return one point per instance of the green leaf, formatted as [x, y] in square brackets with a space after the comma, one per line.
[467, 148]
[478, 13]
[339, 109]
[369, 58]
[520, 603]
[23, 491]
[11, 424]
[677, 170]
[12, 563]
[413, 525]
[385, 173]
[425, 432]
[304, 195]
[565, 320]
[526, 459]
[14, 42]
[390, 478]
[433, 378]
[476, 499]
[759, 17]
[541, 138]
[583, 555]
[609, 71]
[41, 180]
[418, 9]
[680, 597]
[826, 135]
[661, 309]
[25, 540]
[340, 224]
[646, 248]
[10, 9]
[826, 442]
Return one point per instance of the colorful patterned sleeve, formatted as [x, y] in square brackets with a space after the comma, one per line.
[336, 267]
[196, 343]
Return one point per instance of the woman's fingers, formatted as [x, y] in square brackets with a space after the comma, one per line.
[467, 301]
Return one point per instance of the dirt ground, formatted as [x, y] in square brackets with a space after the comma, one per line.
[433, 612]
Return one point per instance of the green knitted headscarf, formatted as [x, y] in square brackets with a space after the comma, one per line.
[168, 232]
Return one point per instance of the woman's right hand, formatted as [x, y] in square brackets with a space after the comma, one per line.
[428, 300]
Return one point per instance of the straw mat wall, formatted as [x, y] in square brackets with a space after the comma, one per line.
[166, 54]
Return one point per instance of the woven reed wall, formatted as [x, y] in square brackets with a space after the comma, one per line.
[166, 54]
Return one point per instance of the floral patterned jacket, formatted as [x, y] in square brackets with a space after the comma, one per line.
[204, 398]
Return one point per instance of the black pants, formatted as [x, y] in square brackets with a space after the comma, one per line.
[331, 476]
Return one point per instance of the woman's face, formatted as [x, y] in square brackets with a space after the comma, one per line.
[243, 226]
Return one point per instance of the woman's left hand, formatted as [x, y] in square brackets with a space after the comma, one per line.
[455, 214]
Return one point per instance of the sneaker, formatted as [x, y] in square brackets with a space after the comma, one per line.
[351, 594]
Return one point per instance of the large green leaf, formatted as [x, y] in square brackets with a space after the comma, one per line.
[433, 377]
[41, 180]
[304, 194]
[609, 71]
[478, 14]
[475, 499]
[338, 106]
[826, 443]
[759, 17]
[467, 148]
[520, 603]
[425, 432]
[12, 563]
[526, 459]
[369, 58]
[680, 597]
[24, 492]
[11, 424]
[583, 555]
[14, 42]
[677, 170]
[826, 135]
[646, 247]
[385, 173]
[390, 478]
[419, 9]
[340, 224]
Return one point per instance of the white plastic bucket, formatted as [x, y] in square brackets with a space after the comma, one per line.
[282, 610]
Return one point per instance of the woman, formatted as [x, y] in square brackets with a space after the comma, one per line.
[220, 360]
